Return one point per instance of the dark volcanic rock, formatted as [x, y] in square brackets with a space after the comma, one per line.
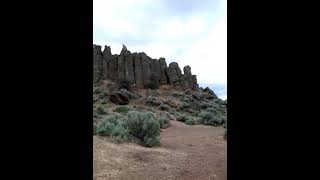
[187, 70]
[113, 68]
[172, 73]
[138, 70]
[187, 78]
[156, 70]
[195, 82]
[129, 71]
[118, 97]
[146, 69]
[97, 63]
[207, 89]
[121, 68]
[105, 59]
[163, 71]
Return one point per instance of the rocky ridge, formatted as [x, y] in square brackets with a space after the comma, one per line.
[139, 70]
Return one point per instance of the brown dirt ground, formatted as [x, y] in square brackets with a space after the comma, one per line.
[186, 152]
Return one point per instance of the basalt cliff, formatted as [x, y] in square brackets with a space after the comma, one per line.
[139, 70]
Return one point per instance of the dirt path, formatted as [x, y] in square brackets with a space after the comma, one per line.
[186, 152]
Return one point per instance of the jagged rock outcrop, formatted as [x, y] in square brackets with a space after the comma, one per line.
[106, 57]
[146, 69]
[172, 74]
[97, 63]
[163, 71]
[187, 78]
[139, 70]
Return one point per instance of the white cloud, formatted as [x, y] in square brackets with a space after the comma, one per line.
[208, 57]
[157, 27]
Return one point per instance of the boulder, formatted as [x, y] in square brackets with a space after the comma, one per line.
[208, 90]
[118, 97]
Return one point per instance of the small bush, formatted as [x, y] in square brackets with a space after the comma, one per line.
[105, 128]
[165, 107]
[122, 109]
[180, 117]
[190, 121]
[225, 135]
[96, 90]
[114, 126]
[177, 94]
[152, 101]
[99, 110]
[144, 126]
[208, 118]
[184, 106]
[103, 95]
[124, 84]
[164, 122]
[129, 94]
[153, 85]
[94, 128]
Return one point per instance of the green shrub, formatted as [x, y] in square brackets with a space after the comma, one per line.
[208, 118]
[165, 107]
[99, 110]
[120, 131]
[94, 128]
[183, 118]
[105, 128]
[114, 126]
[103, 102]
[144, 126]
[184, 106]
[103, 95]
[225, 134]
[164, 122]
[152, 101]
[124, 84]
[177, 94]
[190, 121]
[180, 117]
[122, 109]
[128, 94]
[96, 90]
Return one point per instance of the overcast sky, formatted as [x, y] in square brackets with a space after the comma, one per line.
[190, 32]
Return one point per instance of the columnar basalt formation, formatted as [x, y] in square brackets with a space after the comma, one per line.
[97, 63]
[138, 69]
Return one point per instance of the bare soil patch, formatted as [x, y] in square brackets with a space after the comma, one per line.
[186, 152]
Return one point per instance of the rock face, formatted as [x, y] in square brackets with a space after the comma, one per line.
[139, 70]
[163, 71]
[106, 57]
[97, 63]
[172, 74]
